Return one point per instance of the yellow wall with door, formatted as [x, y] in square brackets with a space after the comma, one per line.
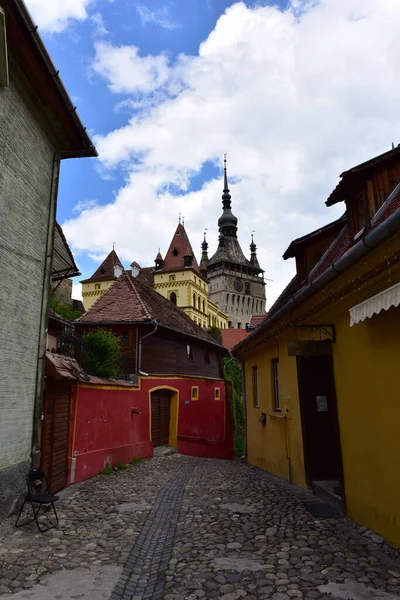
[269, 446]
[366, 362]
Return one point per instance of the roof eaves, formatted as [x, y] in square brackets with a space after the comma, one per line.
[375, 236]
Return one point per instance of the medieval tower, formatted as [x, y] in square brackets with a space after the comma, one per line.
[236, 284]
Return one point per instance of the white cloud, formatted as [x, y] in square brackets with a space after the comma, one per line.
[99, 28]
[128, 72]
[157, 17]
[83, 205]
[54, 16]
[294, 97]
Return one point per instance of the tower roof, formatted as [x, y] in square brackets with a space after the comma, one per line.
[106, 269]
[178, 249]
[227, 222]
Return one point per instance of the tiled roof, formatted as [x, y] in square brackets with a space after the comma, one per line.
[293, 247]
[179, 247]
[229, 250]
[338, 193]
[131, 300]
[256, 320]
[68, 368]
[146, 275]
[231, 337]
[53, 315]
[337, 249]
[106, 270]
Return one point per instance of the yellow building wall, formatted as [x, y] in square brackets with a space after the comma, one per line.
[366, 362]
[270, 446]
[90, 291]
[184, 284]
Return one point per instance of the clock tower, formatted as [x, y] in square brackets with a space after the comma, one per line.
[236, 284]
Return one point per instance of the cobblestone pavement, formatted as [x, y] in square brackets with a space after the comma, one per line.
[181, 528]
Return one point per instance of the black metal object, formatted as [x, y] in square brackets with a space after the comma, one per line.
[323, 326]
[38, 496]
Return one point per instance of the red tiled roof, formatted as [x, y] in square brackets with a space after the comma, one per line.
[106, 269]
[337, 249]
[146, 275]
[256, 320]
[130, 300]
[68, 368]
[231, 337]
[179, 247]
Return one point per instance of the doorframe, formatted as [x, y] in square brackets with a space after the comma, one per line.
[335, 416]
[173, 413]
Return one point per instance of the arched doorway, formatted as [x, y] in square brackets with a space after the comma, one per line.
[172, 297]
[164, 403]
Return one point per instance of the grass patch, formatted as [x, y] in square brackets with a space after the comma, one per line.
[107, 470]
[239, 445]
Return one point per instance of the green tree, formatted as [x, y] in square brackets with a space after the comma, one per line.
[102, 353]
[64, 310]
[233, 373]
[215, 333]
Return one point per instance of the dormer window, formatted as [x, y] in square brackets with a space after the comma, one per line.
[175, 251]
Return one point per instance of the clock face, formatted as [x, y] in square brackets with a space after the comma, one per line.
[238, 285]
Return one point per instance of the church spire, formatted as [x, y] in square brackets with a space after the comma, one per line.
[253, 255]
[227, 223]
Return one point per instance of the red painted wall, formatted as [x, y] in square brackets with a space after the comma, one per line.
[104, 428]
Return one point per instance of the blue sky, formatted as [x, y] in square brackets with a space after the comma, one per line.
[165, 88]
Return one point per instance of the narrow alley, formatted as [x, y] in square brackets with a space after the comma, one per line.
[181, 528]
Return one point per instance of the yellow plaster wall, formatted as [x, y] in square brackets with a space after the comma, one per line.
[185, 284]
[270, 445]
[366, 367]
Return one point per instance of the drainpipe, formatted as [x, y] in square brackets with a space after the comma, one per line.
[37, 411]
[155, 323]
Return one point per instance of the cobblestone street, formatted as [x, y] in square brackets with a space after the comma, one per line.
[181, 528]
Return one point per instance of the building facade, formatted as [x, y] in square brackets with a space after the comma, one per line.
[38, 128]
[321, 371]
[103, 277]
[236, 284]
[179, 278]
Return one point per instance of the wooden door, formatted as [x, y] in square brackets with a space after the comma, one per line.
[160, 415]
[54, 442]
[322, 452]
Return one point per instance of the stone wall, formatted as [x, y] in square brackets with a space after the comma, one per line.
[26, 160]
[63, 291]
[239, 306]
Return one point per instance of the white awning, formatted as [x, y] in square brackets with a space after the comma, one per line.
[382, 301]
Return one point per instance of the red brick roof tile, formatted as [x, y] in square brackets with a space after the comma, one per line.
[231, 337]
[179, 247]
[106, 269]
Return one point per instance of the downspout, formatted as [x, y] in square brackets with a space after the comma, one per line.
[155, 323]
[43, 326]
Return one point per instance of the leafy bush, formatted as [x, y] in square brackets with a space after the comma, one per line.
[64, 310]
[215, 333]
[102, 354]
[233, 373]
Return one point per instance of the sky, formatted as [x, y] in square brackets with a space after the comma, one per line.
[294, 92]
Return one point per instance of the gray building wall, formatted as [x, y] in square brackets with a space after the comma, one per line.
[63, 291]
[239, 305]
[26, 160]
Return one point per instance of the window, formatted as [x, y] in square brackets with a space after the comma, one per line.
[189, 353]
[255, 387]
[172, 277]
[229, 324]
[97, 286]
[204, 306]
[195, 392]
[194, 300]
[239, 326]
[217, 394]
[125, 338]
[172, 297]
[247, 287]
[275, 383]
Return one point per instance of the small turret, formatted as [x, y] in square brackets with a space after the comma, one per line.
[159, 261]
[253, 255]
[204, 256]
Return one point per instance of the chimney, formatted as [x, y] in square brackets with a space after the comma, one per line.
[117, 271]
[135, 269]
